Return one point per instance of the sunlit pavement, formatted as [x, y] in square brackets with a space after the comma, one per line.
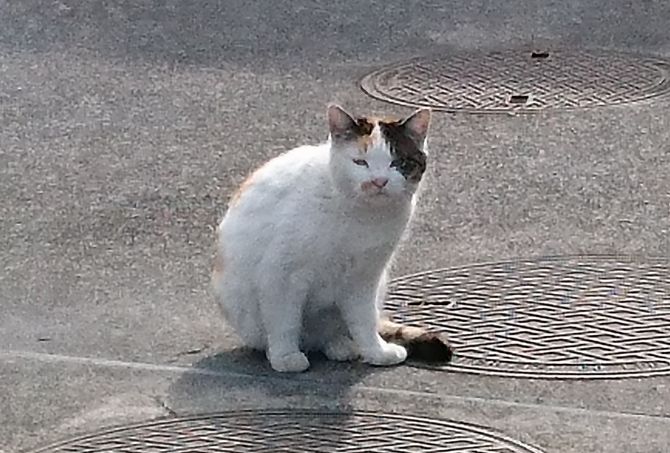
[125, 126]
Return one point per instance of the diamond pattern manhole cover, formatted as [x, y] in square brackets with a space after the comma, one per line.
[520, 81]
[571, 317]
[296, 432]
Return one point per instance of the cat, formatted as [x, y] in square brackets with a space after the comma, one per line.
[304, 247]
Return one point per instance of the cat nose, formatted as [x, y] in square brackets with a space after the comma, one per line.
[380, 182]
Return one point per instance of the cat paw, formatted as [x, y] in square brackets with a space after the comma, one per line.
[387, 354]
[341, 350]
[295, 362]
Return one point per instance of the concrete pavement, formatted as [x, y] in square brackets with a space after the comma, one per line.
[126, 125]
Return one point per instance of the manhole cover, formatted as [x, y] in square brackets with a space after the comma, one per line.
[290, 431]
[577, 317]
[520, 81]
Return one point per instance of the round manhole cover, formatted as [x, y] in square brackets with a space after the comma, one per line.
[520, 81]
[573, 317]
[291, 431]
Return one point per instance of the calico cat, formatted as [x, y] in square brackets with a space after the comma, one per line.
[304, 247]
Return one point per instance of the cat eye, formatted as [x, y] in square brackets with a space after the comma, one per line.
[403, 165]
[361, 162]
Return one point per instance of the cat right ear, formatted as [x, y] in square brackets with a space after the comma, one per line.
[340, 122]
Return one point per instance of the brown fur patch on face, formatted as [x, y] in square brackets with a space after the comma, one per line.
[364, 126]
[404, 146]
[405, 149]
[360, 129]
[363, 132]
[364, 142]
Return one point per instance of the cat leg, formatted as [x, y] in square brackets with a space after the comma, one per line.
[281, 305]
[325, 331]
[341, 348]
[361, 315]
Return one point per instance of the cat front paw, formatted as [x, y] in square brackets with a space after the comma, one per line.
[387, 354]
[294, 362]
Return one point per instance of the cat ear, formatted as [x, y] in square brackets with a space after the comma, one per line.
[417, 123]
[339, 121]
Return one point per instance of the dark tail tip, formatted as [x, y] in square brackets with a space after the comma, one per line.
[431, 348]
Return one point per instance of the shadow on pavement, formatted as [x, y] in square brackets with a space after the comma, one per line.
[247, 372]
[241, 379]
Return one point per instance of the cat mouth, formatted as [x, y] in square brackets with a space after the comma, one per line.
[379, 194]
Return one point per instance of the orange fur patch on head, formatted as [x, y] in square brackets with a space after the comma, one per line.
[364, 131]
[365, 125]
[364, 142]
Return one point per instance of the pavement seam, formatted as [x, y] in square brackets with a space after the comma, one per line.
[112, 363]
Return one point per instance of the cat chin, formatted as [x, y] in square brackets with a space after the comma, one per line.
[382, 198]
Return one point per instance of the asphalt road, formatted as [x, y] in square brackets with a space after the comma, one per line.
[124, 127]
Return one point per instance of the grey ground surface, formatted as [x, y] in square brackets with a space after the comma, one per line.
[126, 125]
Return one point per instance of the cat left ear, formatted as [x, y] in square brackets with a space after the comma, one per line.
[340, 122]
[418, 123]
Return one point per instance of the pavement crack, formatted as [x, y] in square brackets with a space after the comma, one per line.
[165, 407]
[192, 351]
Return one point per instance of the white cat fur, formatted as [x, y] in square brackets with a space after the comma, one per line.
[304, 248]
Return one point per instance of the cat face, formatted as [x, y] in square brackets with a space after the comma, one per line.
[378, 160]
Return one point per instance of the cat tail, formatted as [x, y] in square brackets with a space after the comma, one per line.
[421, 344]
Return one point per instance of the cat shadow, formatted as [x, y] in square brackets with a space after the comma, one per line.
[241, 380]
[247, 375]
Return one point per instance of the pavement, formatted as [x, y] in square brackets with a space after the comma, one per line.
[126, 125]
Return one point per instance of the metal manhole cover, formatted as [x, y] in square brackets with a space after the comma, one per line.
[520, 81]
[296, 432]
[571, 317]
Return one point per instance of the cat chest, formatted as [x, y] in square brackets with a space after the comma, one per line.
[347, 252]
[337, 276]
[346, 256]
